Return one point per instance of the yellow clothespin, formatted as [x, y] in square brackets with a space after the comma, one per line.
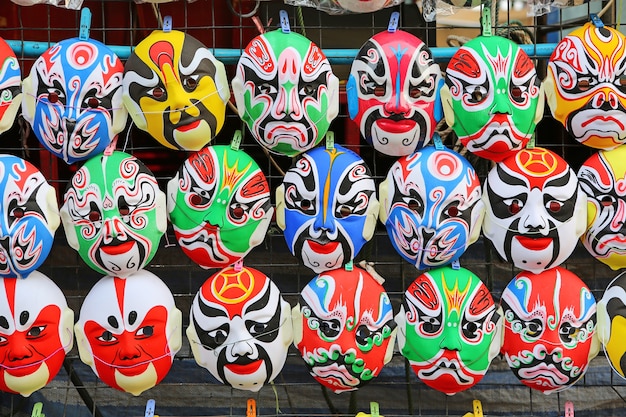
[569, 409]
[374, 412]
[251, 408]
[37, 410]
[478, 410]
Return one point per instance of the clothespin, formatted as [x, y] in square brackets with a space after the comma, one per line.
[374, 412]
[284, 21]
[238, 266]
[595, 19]
[485, 20]
[569, 409]
[150, 404]
[393, 22]
[251, 408]
[108, 151]
[85, 24]
[167, 24]
[456, 265]
[330, 140]
[349, 266]
[531, 142]
[236, 141]
[437, 142]
[477, 410]
[37, 408]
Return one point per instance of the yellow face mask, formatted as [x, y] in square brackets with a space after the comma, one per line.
[176, 90]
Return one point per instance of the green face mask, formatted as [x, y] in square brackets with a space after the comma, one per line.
[114, 214]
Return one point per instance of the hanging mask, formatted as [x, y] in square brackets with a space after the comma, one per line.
[30, 216]
[344, 328]
[176, 90]
[129, 330]
[493, 98]
[612, 323]
[364, 6]
[602, 178]
[114, 214]
[535, 209]
[549, 328]
[10, 86]
[431, 206]
[393, 93]
[285, 92]
[219, 204]
[327, 207]
[73, 99]
[449, 329]
[36, 332]
[240, 328]
[583, 85]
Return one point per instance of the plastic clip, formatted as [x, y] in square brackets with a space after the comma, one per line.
[456, 265]
[37, 410]
[349, 266]
[437, 142]
[251, 408]
[236, 141]
[330, 140]
[595, 19]
[394, 19]
[374, 411]
[477, 409]
[85, 24]
[569, 409]
[167, 24]
[150, 404]
[238, 266]
[531, 142]
[108, 151]
[485, 21]
[284, 21]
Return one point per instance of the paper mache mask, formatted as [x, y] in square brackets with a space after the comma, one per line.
[602, 178]
[176, 90]
[114, 214]
[36, 332]
[344, 328]
[549, 328]
[30, 217]
[584, 87]
[129, 330]
[449, 329]
[535, 209]
[73, 99]
[430, 203]
[286, 92]
[219, 204]
[327, 207]
[240, 328]
[10, 86]
[393, 93]
[612, 323]
[493, 98]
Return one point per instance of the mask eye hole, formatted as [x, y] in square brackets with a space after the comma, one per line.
[477, 95]
[453, 211]
[238, 212]
[515, 207]
[516, 92]
[606, 201]
[196, 199]
[305, 204]
[93, 102]
[94, 216]
[379, 91]
[190, 83]
[584, 85]
[158, 92]
[53, 97]
[18, 213]
[415, 92]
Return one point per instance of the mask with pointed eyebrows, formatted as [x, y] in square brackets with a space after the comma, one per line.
[10, 86]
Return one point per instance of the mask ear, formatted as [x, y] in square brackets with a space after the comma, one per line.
[390, 346]
[194, 342]
[67, 323]
[296, 317]
[477, 221]
[84, 350]
[498, 337]
[237, 86]
[372, 218]
[446, 103]
[221, 82]
[549, 92]
[580, 213]
[603, 325]
[161, 211]
[383, 192]
[68, 227]
[52, 206]
[174, 329]
[287, 322]
[280, 207]
[541, 104]
[333, 97]
[135, 112]
[352, 96]
[28, 101]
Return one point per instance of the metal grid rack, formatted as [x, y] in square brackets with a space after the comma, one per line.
[189, 390]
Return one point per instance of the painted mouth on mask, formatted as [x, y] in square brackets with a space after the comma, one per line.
[322, 248]
[244, 369]
[188, 127]
[118, 249]
[534, 244]
[392, 126]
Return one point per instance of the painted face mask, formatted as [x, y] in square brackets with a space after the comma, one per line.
[493, 98]
[549, 328]
[344, 328]
[285, 92]
[431, 206]
[30, 216]
[327, 207]
[36, 332]
[129, 330]
[535, 209]
[114, 214]
[601, 178]
[612, 323]
[176, 90]
[393, 93]
[583, 87]
[240, 328]
[73, 99]
[449, 329]
[219, 204]
[10, 86]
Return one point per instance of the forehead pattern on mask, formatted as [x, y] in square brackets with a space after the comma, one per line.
[10, 86]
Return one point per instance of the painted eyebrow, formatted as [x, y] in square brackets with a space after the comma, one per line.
[209, 311]
[260, 303]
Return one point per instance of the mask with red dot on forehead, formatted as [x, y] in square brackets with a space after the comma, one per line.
[10, 86]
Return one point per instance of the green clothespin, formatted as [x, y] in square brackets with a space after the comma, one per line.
[85, 24]
[37, 408]
[349, 266]
[374, 412]
[330, 140]
[485, 20]
[531, 142]
[236, 141]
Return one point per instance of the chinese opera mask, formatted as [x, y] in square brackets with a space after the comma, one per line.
[114, 214]
[431, 206]
[327, 207]
[535, 209]
[584, 87]
[612, 323]
[393, 93]
[129, 330]
[285, 92]
[176, 90]
[344, 328]
[449, 329]
[36, 332]
[10, 86]
[240, 328]
[602, 178]
[549, 328]
[30, 217]
[219, 204]
[493, 98]
[73, 99]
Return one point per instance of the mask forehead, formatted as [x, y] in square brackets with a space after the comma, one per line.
[73, 99]
[583, 91]
[10, 86]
